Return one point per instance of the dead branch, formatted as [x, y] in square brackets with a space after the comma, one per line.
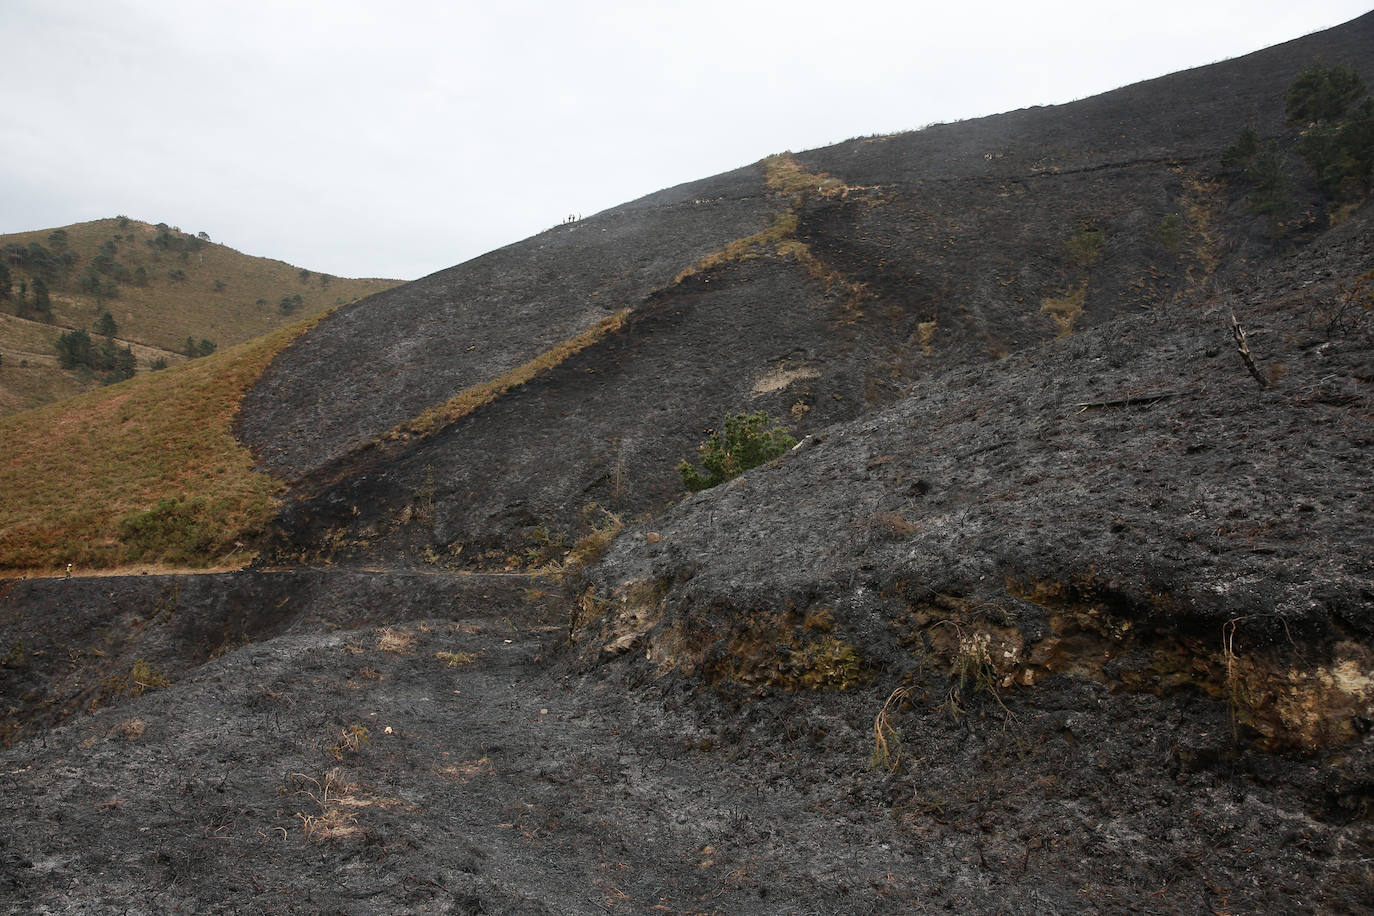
[1137, 401]
[1243, 349]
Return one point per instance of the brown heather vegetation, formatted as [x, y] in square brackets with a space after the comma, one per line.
[784, 175]
[73, 471]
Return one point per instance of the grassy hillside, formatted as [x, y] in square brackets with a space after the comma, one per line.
[160, 285]
[144, 471]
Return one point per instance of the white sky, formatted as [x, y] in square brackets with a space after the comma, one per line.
[398, 137]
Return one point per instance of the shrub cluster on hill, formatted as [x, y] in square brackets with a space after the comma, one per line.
[193, 349]
[1337, 141]
[76, 350]
[39, 261]
[176, 530]
[744, 441]
[1335, 114]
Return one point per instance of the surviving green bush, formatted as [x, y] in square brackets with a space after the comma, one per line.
[1265, 167]
[1336, 114]
[176, 530]
[1171, 232]
[745, 441]
[1241, 154]
[1269, 172]
[1323, 92]
[1085, 246]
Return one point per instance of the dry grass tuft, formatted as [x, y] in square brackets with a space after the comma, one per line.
[394, 640]
[782, 376]
[467, 770]
[1204, 202]
[1066, 309]
[776, 236]
[470, 399]
[925, 336]
[132, 729]
[590, 548]
[887, 740]
[141, 678]
[336, 798]
[456, 659]
[348, 740]
[785, 174]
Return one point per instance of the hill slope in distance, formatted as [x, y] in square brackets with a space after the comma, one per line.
[159, 285]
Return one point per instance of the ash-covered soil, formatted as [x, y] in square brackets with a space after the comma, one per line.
[363, 771]
[1140, 456]
[379, 362]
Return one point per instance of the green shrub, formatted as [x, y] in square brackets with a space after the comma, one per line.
[1265, 167]
[745, 441]
[1341, 153]
[74, 349]
[1241, 154]
[141, 678]
[1337, 116]
[1323, 93]
[176, 530]
[194, 350]
[1085, 247]
[1171, 232]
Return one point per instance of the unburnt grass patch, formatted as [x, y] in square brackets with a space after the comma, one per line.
[144, 471]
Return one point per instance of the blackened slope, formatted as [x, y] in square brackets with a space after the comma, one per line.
[380, 362]
[1134, 474]
[920, 274]
[499, 787]
[605, 428]
[963, 226]
[72, 643]
[947, 247]
[1186, 114]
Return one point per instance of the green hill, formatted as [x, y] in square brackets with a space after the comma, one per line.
[160, 286]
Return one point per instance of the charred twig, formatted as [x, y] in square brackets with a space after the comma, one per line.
[1138, 401]
[887, 749]
[1243, 349]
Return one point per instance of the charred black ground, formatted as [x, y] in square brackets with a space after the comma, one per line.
[1054, 608]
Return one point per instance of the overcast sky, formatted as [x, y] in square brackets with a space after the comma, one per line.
[398, 138]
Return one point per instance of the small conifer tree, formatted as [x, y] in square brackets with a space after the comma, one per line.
[744, 441]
